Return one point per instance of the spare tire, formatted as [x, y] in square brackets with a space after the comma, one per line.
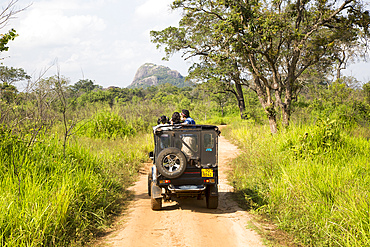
[171, 162]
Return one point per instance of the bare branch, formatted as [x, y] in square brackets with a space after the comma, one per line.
[9, 13]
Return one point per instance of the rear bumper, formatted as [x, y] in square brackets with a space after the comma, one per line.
[186, 188]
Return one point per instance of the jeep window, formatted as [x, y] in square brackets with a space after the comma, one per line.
[164, 141]
[190, 144]
[208, 141]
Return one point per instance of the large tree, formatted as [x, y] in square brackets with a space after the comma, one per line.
[275, 41]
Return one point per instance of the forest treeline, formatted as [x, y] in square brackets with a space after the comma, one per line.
[56, 98]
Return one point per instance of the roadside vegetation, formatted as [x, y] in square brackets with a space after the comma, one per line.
[53, 196]
[69, 153]
[312, 179]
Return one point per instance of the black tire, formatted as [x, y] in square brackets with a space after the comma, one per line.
[211, 201]
[149, 184]
[156, 203]
[171, 162]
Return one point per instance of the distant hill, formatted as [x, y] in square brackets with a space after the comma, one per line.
[151, 74]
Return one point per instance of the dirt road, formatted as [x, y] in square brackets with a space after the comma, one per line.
[187, 222]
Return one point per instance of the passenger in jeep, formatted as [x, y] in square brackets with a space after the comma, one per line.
[185, 117]
[163, 120]
[176, 118]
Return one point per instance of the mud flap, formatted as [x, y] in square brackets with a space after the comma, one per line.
[213, 190]
[156, 191]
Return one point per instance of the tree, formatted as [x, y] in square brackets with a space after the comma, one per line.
[222, 75]
[275, 41]
[7, 77]
[84, 86]
[7, 92]
[11, 75]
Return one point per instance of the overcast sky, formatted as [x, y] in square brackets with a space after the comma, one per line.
[102, 40]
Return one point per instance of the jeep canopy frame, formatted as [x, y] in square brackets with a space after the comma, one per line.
[201, 149]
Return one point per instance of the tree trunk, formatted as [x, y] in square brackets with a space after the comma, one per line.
[285, 106]
[241, 105]
[286, 115]
[273, 125]
[240, 98]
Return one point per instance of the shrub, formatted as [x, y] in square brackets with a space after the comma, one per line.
[106, 125]
[323, 137]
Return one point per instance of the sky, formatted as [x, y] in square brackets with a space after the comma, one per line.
[105, 41]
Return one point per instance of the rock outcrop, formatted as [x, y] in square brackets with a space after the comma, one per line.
[151, 74]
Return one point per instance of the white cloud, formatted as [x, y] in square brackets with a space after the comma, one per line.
[156, 9]
[49, 25]
[102, 40]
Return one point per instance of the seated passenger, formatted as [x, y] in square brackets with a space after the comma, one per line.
[176, 118]
[185, 117]
[163, 120]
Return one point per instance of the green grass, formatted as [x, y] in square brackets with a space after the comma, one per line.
[313, 181]
[48, 201]
[106, 125]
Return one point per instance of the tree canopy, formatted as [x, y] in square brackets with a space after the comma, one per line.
[274, 41]
[11, 75]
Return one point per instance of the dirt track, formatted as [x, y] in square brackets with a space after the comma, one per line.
[187, 222]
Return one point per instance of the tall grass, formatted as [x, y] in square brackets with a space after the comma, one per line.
[314, 181]
[106, 125]
[46, 200]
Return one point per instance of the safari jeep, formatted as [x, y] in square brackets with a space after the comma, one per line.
[185, 162]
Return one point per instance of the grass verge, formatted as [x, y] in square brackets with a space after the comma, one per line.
[47, 200]
[312, 181]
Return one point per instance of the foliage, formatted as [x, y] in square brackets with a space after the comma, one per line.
[106, 125]
[8, 76]
[274, 42]
[84, 86]
[366, 88]
[11, 75]
[335, 101]
[5, 38]
[7, 92]
[319, 196]
[323, 138]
